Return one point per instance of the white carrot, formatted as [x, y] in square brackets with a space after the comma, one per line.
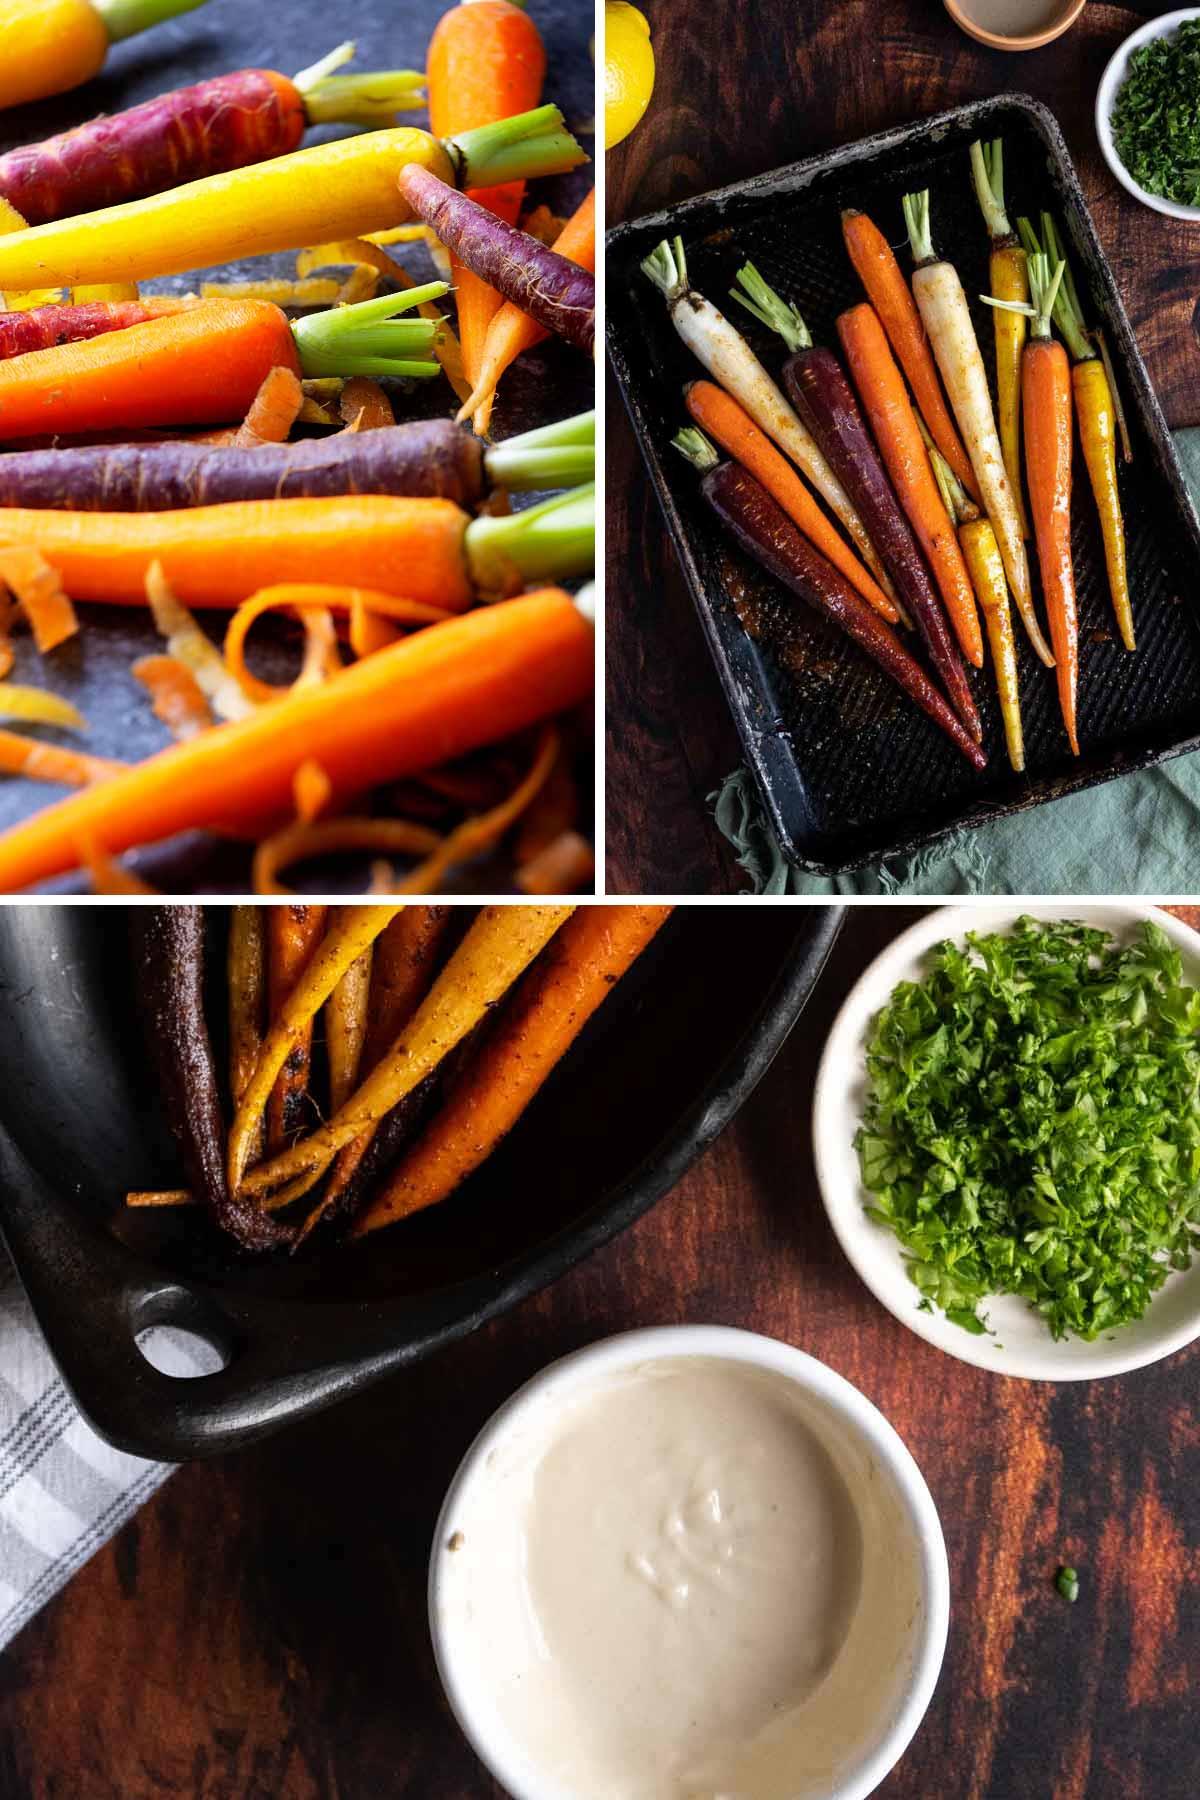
[947, 319]
[730, 361]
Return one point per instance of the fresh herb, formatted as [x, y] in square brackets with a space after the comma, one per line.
[1032, 1124]
[1156, 117]
[1067, 1583]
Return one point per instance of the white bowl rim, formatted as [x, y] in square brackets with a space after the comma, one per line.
[609, 1355]
[893, 965]
[1106, 94]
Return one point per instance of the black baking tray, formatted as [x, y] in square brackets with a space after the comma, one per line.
[657, 1074]
[847, 768]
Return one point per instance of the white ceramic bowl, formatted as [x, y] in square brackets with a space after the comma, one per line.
[480, 1483]
[1020, 1344]
[1106, 95]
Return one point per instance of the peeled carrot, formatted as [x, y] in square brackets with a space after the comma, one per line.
[293, 933]
[512, 331]
[570, 981]
[885, 399]
[438, 695]
[486, 62]
[889, 294]
[49, 46]
[42, 327]
[725, 420]
[195, 367]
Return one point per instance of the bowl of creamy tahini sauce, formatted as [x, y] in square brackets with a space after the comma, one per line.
[689, 1564]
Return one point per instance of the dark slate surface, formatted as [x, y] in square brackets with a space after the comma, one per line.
[551, 382]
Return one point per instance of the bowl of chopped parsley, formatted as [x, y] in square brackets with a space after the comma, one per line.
[1148, 114]
[1007, 1135]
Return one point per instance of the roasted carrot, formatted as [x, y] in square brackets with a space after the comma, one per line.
[498, 948]
[293, 933]
[566, 865]
[554, 292]
[486, 62]
[1008, 280]
[49, 46]
[888, 292]
[346, 1028]
[885, 398]
[730, 425]
[342, 189]
[223, 123]
[434, 697]
[427, 550]
[512, 331]
[42, 327]
[555, 999]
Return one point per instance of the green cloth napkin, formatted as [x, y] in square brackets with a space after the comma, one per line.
[1138, 835]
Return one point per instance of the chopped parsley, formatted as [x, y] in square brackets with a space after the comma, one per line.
[1067, 1583]
[1032, 1124]
[1156, 116]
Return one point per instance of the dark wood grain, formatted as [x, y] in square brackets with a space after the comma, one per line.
[742, 89]
[258, 1632]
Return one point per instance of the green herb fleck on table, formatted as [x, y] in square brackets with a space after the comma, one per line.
[1032, 1124]
[1156, 116]
[1067, 1583]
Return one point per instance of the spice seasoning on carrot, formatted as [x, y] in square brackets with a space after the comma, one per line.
[293, 933]
[1008, 279]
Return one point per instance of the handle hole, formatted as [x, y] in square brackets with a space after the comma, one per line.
[181, 1336]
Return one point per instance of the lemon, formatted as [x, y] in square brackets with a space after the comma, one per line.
[628, 70]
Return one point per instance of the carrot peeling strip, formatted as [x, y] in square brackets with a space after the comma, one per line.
[307, 599]
[188, 643]
[107, 875]
[175, 694]
[567, 865]
[52, 762]
[297, 843]
[312, 791]
[37, 706]
[318, 291]
[476, 835]
[39, 593]
[273, 411]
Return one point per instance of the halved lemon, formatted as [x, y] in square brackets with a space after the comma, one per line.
[628, 70]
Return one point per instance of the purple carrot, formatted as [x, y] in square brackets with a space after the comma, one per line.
[41, 327]
[823, 397]
[764, 530]
[555, 292]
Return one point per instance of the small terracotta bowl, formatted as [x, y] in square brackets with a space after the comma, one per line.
[1033, 40]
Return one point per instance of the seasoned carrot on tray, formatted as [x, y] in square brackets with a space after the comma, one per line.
[731, 362]
[818, 389]
[486, 61]
[728, 424]
[343, 189]
[293, 934]
[217, 556]
[50, 46]
[583, 963]
[1008, 279]
[947, 319]
[426, 458]
[769, 536]
[435, 696]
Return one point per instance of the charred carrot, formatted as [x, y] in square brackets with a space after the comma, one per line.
[884, 396]
[215, 125]
[586, 959]
[436, 696]
[767, 534]
[343, 189]
[50, 46]
[42, 327]
[293, 933]
[425, 550]
[553, 291]
[728, 423]
[512, 331]
[486, 61]
[888, 292]
[1099, 416]
[1008, 280]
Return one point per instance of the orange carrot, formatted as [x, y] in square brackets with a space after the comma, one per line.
[177, 697]
[566, 865]
[486, 62]
[364, 405]
[38, 592]
[892, 299]
[553, 1002]
[195, 367]
[51, 762]
[293, 933]
[725, 420]
[273, 410]
[512, 331]
[885, 399]
[1046, 405]
[438, 695]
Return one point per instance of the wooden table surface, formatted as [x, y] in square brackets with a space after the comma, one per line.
[258, 1631]
[740, 89]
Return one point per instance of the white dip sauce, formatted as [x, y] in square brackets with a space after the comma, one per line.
[1014, 18]
[689, 1582]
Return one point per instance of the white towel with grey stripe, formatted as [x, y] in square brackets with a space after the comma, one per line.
[63, 1491]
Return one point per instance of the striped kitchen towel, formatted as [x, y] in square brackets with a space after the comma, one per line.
[63, 1490]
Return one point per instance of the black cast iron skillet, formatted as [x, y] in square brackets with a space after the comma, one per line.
[660, 1071]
